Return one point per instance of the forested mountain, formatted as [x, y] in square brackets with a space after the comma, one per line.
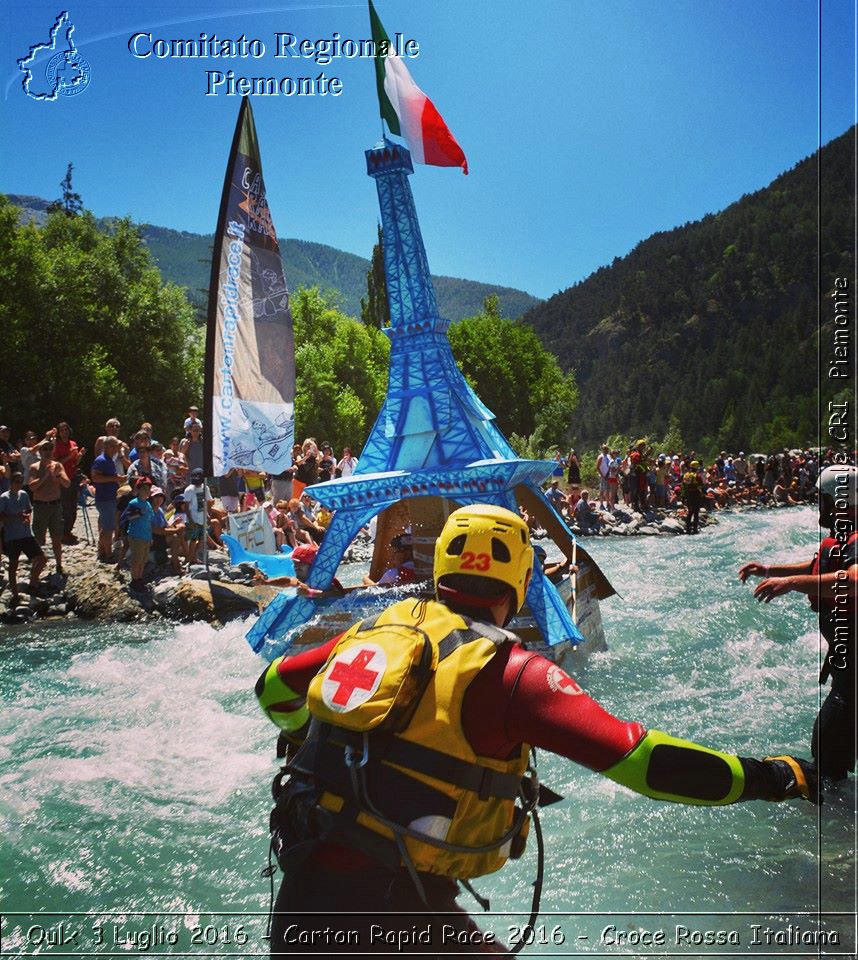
[184, 258]
[716, 322]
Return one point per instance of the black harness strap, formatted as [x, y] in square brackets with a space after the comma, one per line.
[454, 640]
[480, 780]
[342, 827]
[474, 631]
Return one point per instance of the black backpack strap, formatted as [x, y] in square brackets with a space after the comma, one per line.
[475, 630]
[480, 780]
[328, 763]
[343, 828]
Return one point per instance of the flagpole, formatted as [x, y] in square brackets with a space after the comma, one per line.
[373, 16]
[206, 534]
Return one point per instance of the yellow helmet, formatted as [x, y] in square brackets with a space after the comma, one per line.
[482, 540]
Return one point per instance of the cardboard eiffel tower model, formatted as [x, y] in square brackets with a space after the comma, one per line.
[434, 447]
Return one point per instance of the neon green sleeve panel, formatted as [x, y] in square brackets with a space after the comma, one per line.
[667, 768]
[280, 703]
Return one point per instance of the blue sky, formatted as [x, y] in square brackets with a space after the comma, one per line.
[587, 125]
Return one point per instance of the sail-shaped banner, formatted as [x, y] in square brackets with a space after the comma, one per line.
[250, 351]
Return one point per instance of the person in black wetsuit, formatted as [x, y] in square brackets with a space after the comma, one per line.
[829, 580]
[692, 496]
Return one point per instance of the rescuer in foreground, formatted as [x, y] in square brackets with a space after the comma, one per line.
[408, 741]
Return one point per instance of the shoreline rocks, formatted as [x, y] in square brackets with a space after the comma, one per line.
[660, 521]
[89, 590]
[626, 522]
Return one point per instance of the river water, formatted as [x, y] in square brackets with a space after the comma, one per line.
[136, 768]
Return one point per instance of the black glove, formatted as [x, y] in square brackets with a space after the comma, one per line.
[793, 777]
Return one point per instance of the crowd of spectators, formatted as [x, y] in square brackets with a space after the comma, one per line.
[640, 479]
[154, 511]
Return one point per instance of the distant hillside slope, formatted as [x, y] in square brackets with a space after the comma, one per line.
[184, 259]
[714, 322]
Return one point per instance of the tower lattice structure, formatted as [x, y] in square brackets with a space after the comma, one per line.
[433, 436]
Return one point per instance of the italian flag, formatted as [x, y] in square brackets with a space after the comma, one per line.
[408, 111]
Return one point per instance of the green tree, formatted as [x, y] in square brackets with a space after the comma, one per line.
[374, 309]
[727, 436]
[775, 435]
[70, 202]
[513, 374]
[714, 313]
[93, 330]
[340, 369]
[533, 447]
[672, 441]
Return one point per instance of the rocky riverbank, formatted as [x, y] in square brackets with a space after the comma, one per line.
[90, 590]
[625, 522]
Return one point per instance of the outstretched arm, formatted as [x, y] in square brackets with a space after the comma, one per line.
[547, 708]
[826, 585]
[667, 768]
[765, 570]
[799, 578]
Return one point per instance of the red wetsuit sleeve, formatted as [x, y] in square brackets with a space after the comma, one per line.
[299, 670]
[536, 702]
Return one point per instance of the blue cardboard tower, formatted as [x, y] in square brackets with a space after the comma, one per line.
[432, 438]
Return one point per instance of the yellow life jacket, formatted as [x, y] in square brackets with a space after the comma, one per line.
[691, 484]
[387, 753]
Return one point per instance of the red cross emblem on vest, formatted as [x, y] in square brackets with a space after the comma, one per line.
[353, 677]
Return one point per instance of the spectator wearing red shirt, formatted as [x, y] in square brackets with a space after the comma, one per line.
[69, 455]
